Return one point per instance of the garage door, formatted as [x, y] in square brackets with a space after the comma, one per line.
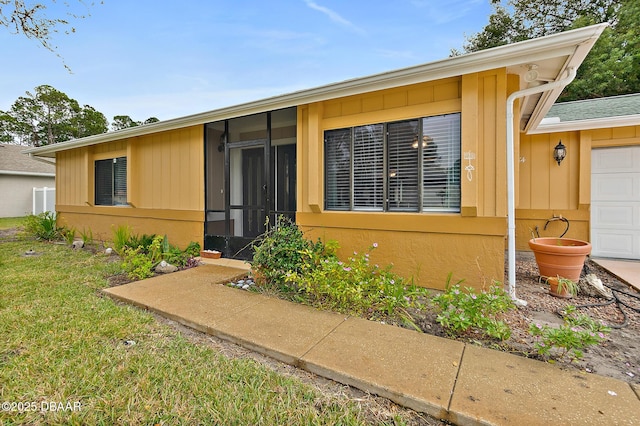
[615, 202]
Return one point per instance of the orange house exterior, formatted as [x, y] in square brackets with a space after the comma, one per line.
[215, 177]
[597, 187]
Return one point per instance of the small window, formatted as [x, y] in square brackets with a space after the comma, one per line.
[111, 182]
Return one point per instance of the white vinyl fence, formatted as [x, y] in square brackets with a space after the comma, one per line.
[44, 200]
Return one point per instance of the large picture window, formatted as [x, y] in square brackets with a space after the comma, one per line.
[411, 166]
[111, 182]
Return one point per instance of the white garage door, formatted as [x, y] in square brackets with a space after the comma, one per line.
[615, 202]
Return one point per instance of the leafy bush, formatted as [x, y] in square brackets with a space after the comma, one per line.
[283, 249]
[461, 311]
[44, 226]
[145, 241]
[310, 272]
[577, 332]
[136, 263]
[139, 261]
[356, 286]
[193, 249]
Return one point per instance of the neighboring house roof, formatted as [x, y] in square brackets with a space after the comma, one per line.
[614, 111]
[551, 56]
[14, 162]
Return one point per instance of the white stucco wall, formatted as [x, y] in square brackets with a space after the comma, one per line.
[16, 193]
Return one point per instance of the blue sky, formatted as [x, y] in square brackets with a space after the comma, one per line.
[169, 59]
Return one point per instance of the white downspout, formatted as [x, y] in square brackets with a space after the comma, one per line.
[511, 195]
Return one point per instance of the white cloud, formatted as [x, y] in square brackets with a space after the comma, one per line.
[334, 16]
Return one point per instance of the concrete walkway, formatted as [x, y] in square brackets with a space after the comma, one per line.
[450, 380]
[626, 270]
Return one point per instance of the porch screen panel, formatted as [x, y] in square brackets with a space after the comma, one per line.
[441, 163]
[368, 167]
[402, 168]
[337, 151]
[104, 182]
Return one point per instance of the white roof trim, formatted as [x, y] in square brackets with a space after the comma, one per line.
[554, 125]
[14, 173]
[574, 43]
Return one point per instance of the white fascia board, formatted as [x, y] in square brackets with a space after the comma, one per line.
[556, 45]
[595, 123]
[14, 173]
[573, 61]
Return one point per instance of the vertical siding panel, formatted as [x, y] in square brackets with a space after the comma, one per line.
[574, 171]
[176, 179]
[525, 173]
[181, 170]
[191, 170]
[198, 167]
[469, 136]
[584, 180]
[540, 175]
[489, 145]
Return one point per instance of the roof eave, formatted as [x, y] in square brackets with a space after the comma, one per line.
[574, 61]
[569, 43]
[592, 124]
[34, 174]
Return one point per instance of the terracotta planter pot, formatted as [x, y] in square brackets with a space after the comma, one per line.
[553, 289]
[562, 257]
[210, 254]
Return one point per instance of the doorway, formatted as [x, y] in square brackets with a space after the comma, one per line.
[250, 171]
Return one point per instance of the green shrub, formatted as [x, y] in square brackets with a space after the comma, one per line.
[461, 311]
[43, 226]
[136, 263]
[577, 332]
[356, 286]
[193, 249]
[283, 249]
[139, 261]
[145, 241]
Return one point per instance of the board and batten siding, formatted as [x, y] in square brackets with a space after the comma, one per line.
[546, 190]
[165, 186]
[423, 246]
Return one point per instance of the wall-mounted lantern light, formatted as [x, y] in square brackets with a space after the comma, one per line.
[559, 152]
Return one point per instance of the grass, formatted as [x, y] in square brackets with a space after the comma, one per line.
[12, 222]
[62, 342]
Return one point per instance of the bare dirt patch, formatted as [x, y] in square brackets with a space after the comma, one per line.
[617, 357]
[9, 235]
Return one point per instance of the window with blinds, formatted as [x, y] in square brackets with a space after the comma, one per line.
[111, 182]
[403, 166]
[411, 166]
[441, 163]
[368, 167]
[337, 154]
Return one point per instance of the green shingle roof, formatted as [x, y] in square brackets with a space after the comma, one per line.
[614, 106]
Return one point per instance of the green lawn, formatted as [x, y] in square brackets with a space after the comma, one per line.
[62, 342]
[11, 222]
